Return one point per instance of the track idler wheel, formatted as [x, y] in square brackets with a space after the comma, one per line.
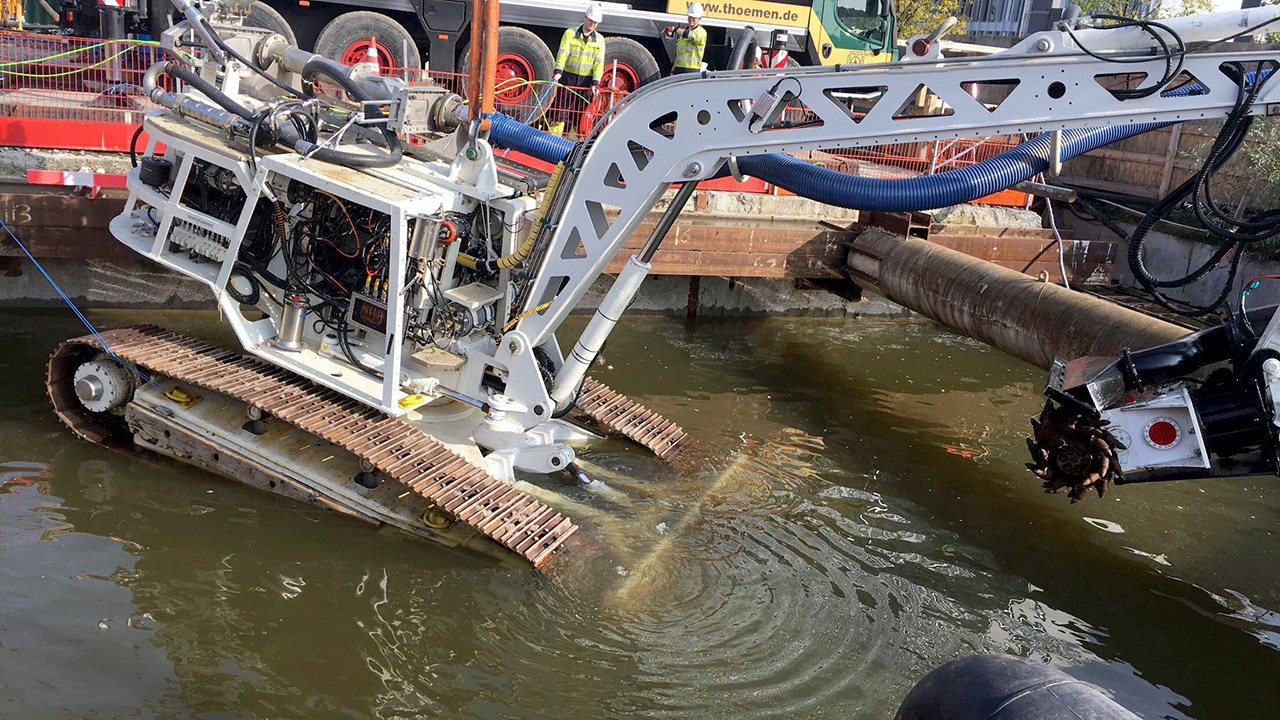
[1072, 453]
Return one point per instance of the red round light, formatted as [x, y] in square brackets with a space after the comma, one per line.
[1162, 433]
[920, 47]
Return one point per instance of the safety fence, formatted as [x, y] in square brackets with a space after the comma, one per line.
[72, 93]
[63, 92]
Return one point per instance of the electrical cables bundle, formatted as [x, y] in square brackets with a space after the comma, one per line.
[1236, 233]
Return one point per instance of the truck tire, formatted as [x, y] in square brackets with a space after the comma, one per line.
[525, 63]
[636, 65]
[161, 16]
[262, 15]
[346, 39]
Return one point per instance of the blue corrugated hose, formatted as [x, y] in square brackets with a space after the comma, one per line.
[835, 188]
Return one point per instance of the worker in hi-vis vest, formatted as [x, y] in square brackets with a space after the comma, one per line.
[691, 42]
[579, 67]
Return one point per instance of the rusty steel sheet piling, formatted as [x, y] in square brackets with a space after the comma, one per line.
[1029, 319]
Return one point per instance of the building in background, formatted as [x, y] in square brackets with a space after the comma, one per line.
[1016, 18]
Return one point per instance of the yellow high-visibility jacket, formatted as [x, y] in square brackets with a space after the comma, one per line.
[581, 54]
[690, 45]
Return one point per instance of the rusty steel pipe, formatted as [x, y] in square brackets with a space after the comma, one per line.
[1025, 317]
[475, 58]
[490, 76]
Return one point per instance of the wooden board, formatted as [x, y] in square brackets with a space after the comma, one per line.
[57, 223]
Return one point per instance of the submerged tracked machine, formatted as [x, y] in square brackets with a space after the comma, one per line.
[396, 287]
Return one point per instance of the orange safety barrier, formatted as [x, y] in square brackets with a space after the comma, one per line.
[72, 93]
[75, 93]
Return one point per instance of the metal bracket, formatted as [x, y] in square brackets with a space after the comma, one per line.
[772, 102]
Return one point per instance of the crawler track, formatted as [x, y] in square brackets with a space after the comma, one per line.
[515, 520]
[627, 417]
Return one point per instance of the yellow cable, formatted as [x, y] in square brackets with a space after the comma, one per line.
[87, 48]
[512, 322]
[64, 74]
[522, 253]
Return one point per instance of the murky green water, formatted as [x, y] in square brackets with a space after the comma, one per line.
[855, 514]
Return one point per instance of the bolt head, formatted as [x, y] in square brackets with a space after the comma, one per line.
[513, 346]
[693, 169]
[1044, 45]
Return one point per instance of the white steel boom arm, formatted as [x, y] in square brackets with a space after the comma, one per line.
[685, 128]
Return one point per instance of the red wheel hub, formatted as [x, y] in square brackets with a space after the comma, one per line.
[625, 80]
[512, 81]
[356, 51]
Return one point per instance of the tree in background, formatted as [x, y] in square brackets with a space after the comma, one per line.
[1146, 9]
[922, 16]
[1273, 37]
[1262, 147]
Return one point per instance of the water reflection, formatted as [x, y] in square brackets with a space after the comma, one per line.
[849, 519]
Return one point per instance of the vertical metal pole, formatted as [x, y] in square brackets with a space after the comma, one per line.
[395, 307]
[476, 58]
[613, 84]
[490, 61]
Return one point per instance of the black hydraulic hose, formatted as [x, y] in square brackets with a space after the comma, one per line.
[1168, 362]
[133, 146]
[222, 99]
[1235, 130]
[744, 47]
[337, 72]
[345, 345]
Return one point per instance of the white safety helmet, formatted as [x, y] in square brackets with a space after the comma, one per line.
[695, 10]
[595, 12]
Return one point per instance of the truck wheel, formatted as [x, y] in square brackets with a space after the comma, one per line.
[262, 15]
[524, 63]
[347, 37]
[636, 66]
[160, 17]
